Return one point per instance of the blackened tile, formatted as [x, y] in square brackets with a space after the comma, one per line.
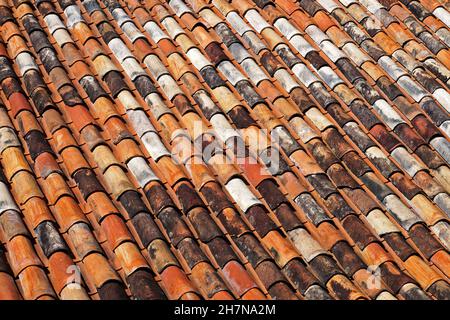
[132, 202]
[112, 290]
[144, 287]
[316, 60]
[221, 251]
[349, 70]
[37, 143]
[176, 227]
[248, 93]
[398, 243]
[191, 252]
[226, 34]
[301, 277]
[115, 82]
[347, 258]
[49, 239]
[215, 53]
[215, 197]
[252, 249]
[211, 77]
[146, 228]
[260, 220]
[287, 217]
[203, 224]
[325, 267]
[424, 240]
[87, 182]
[322, 184]
[271, 193]
[188, 197]
[241, 118]
[70, 96]
[144, 86]
[270, 63]
[358, 231]
[93, 88]
[107, 31]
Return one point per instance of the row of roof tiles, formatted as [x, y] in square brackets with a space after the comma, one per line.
[120, 98]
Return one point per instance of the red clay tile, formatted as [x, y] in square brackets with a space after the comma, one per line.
[67, 213]
[238, 278]
[59, 264]
[98, 268]
[22, 254]
[176, 283]
[10, 291]
[115, 230]
[35, 284]
[73, 157]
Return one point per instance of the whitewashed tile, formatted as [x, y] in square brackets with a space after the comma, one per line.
[443, 97]
[387, 113]
[329, 5]
[128, 100]
[73, 15]
[120, 16]
[256, 20]
[286, 80]
[303, 129]
[155, 65]
[319, 120]
[442, 15]
[157, 106]
[222, 127]
[230, 72]
[119, 49]
[172, 27]
[304, 74]
[330, 77]
[237, 23]
[381, 223]
[407, 161]
[141, 171]
[26, 62]
[132, 32]
[154, 145]
[155, 32]
[132, 68]
[412, 88]
[308, 247]
[355, 53]
[239, 52]
[241, 194]
[401, 213]
[53, 22]
[286, 28]
[140, 122]
[442, 231]
[6, 200]
[169, 86]
[198, 59]
[301, 45]
[179, 7]
[391, 67]
[316, 34]
[62, 37]
[255, 73]
[332, 52]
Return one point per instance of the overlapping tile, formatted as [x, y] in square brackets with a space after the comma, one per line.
[224, 150]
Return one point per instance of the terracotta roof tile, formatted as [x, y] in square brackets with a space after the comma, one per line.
[225, 150]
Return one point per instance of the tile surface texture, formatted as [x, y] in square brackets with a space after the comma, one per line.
[194, 149]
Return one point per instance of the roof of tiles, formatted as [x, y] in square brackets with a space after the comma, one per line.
[192, 149]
